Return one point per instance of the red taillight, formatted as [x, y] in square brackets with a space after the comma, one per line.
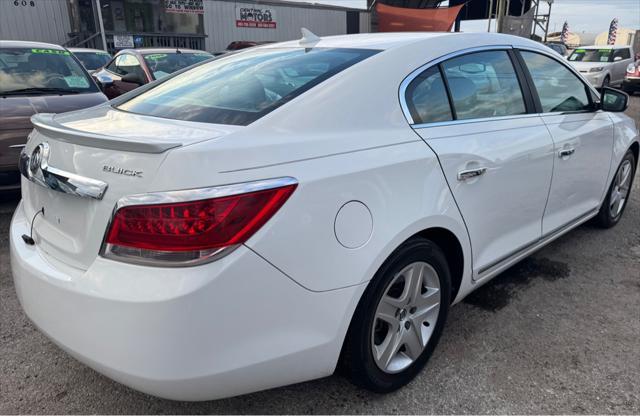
[198, 227]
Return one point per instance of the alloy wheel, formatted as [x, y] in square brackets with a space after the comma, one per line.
[620, 189]
[406, 317]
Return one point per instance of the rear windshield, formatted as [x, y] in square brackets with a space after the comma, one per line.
[240, 88]
[93, 60]
[163, 64]
[28, 71]
[591, 55]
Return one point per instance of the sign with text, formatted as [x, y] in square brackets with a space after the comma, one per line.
[184, 6]
[122, 41]
[256, 17]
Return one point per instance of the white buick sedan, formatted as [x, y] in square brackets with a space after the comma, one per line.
[266, 217]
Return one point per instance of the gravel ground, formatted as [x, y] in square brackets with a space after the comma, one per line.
[557, 333]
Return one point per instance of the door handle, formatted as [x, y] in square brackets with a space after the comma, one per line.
[463, 175]
[566, 152]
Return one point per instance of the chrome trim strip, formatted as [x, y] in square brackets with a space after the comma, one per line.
[143, 257]
[405, 83]
[59, 180]
[17, 146]
[46, 124]
[510, 259]
[198, 194]
[474, 120]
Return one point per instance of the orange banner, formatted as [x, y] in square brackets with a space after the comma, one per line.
[401, 19]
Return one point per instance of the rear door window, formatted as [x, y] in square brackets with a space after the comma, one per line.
[484, 84]
[240, 88]
[427, 98]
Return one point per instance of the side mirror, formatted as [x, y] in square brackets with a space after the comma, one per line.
[132, 78]
[103, 80]
[617, 58]
[613, 100]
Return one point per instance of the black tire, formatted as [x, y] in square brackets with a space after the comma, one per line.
[357, 361]
[606, 81]
[605, 219]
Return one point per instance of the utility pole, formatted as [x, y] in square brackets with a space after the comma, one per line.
[101, 24]
[546, 29]
[490, 14]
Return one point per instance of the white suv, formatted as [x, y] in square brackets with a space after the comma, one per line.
[602, 65]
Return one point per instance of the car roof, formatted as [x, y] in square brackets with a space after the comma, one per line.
[74, 50]
[391, 40]
[28, 44]
[146, 51]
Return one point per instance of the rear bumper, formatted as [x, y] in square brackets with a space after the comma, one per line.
[229, 327]
[631, 84]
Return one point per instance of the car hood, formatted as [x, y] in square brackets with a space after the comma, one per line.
[16, 112]
[588, 65]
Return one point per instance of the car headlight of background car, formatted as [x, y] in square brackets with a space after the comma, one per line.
[597, 69]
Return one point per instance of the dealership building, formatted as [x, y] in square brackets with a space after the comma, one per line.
[200, 24]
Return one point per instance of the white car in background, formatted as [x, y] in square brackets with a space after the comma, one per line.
[261, 218]
[602, 65]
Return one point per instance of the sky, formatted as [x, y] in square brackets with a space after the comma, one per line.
[590, 16]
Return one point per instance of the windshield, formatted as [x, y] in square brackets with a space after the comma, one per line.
[163, 64]
[240, 88]
[93, 60]
[591, 55]
[40, 71]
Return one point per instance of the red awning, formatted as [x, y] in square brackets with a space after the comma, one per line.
[401, 19]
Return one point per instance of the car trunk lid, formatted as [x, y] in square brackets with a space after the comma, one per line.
[95, 149]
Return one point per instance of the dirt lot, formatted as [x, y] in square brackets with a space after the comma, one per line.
[557, 333]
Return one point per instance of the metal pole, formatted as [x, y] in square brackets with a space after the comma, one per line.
[535, 17]
[490, 13]
[546, 30]
[499, 16]
[101, 23]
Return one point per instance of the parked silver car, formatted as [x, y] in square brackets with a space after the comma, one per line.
[602, 65]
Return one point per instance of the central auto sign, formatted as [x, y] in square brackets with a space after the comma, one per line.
[256, 17]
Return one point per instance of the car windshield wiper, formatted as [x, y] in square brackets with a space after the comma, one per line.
[39, 90]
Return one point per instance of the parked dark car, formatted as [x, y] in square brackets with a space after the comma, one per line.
[558, 47]
[91, 59]
[244, 44]
[36, 78]
[131, 68]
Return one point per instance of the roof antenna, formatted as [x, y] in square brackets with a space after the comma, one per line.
[308, 37]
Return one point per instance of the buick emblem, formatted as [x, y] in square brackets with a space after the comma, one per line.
[38, 158]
